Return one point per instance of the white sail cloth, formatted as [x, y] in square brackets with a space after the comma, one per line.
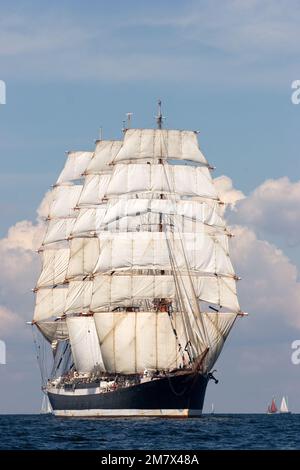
[144, 214]
[218, 326]
[124, 290]
[196, 210]
[58, 230]
[89, 220]
[94, 190]
[84, 253]
[54, 330]
[50, 302]
[74, 167]
[141, 177]
[149, 144]
[151, 250]
[64, 201]
[55, 265]
[105, 151]
[134, 341]
[85, 344]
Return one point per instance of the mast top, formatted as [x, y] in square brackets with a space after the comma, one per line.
[127, 122]
[159, 117]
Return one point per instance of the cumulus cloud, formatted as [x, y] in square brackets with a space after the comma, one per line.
[9, 321]
[269, 288]
[272, 209]
[19, 269]
[228, 194]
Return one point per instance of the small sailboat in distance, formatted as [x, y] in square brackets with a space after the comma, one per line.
[212, 409]
[284, 407]
[272, 409]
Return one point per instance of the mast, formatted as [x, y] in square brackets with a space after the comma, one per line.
[159, 117]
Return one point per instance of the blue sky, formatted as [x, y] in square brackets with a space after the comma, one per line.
[222, 67]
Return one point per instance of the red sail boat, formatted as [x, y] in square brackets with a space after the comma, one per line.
[272, 408]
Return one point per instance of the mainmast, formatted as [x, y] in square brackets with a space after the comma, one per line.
[159, 117]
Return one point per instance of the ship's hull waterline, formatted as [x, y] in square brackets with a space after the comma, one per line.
[172, 397]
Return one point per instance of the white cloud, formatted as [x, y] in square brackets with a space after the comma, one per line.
[228, 194]
[272, 209]
[269, 288]
[9, 322]
[252, 27]
[243, 43]
[19, 269]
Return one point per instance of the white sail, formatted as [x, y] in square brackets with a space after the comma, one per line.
[75, 166]
[105, 151]
[150, 250]
[218, 326]
[55, 330]
[182, 211]
[64, 201]
[89, 220]
[108, 291]
[85, 344]
[50, 302]
[283, 406]
[79, 297]
[144, 144]
[134, 341]
[170, 179]
[84, 253]
[94, 190]
[55, 265]
[58, 230]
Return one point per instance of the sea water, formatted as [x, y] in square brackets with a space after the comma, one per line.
[232, 431]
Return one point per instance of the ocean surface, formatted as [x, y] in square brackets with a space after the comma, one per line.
[244, 431]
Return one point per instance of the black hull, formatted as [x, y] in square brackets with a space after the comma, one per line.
[181, 395]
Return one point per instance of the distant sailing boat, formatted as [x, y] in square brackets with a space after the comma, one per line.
[272, 409]
[212, 409]
[284, 407]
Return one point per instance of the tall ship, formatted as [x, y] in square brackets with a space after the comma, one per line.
[137, 293]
